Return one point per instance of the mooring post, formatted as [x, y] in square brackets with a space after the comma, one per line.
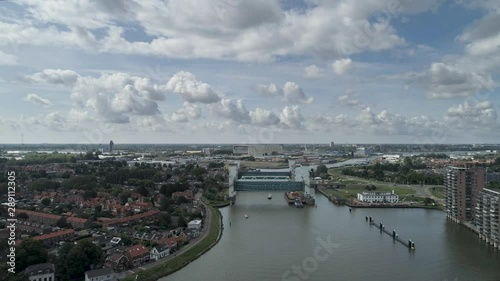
[409, 243]
[394, 234]
[366, 218]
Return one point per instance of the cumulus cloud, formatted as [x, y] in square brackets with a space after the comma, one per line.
[113, 97]
[190, 89]
[241, 30]
[342, 66]
[291, 117]
[290, 93]
[54, 76]
[233, 110]
[263, 117]
[447, 81]
[473, 116]
[188, 111]
[312, 72]
[38, 100]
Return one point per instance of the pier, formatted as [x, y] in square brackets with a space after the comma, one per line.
[410, 244]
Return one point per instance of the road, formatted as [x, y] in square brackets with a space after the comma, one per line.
[192, 243]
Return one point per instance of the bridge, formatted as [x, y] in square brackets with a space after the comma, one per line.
[296, 179]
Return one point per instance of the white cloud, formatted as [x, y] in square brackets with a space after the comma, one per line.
[473, 116]
[38, 100]
[242, 30]
[188, 111]
[113, 97]
[291, 117]
[54, 76]
[290, 93]
[448, 81]
[342, 66]
[263, 117]
[190, 89]
[233, 110]
[312, 72]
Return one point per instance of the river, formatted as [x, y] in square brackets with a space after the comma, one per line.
[277, 237]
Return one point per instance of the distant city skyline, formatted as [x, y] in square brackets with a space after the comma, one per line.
[237, 72]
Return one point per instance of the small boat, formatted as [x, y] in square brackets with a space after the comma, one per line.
[246, 216]
[269, 196]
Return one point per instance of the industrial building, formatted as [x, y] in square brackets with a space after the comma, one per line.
[258, 150]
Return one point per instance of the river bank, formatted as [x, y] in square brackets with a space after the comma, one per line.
[184, 258]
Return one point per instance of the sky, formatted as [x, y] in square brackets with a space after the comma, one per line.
[249, 71]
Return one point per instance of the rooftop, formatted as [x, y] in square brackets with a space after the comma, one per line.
[99, 272]
[40, 268]
[54, 234]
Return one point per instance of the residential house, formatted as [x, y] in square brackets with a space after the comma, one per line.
[137, 255]
[171, 242]
[55, 237]
[194, 224]
[159, 252]
[101, 274]
[188, 194]
[129, 219]
[41, 271]
[118, 261]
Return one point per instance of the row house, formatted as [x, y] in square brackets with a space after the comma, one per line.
[130, 219]
[33, 227]
[56, 237]
[39, 217]
[51, 219]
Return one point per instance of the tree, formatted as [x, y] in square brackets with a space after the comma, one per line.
[142, 191]
[23, 216]
[30, 252]
[321, 169]
[182, 222]
[74, 260]
[62, 223]
[428, 201]
[46, 201]
[164, 220]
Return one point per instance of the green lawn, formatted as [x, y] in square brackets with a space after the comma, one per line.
[438, 191]
[185, 258]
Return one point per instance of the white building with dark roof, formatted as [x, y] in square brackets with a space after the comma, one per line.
[378, 197]
[101, 274]
[41, 272]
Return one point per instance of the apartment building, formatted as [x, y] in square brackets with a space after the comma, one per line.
[463, 188]
[487, 217]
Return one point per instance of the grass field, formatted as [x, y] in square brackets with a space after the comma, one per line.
[185, 258]
[438, 191]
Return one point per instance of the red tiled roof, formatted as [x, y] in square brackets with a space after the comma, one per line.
[77, 220]
[137, 251]
[54, 234]
[132, 218]
[38, 214]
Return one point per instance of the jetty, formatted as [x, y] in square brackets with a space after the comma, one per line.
[408, 243]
